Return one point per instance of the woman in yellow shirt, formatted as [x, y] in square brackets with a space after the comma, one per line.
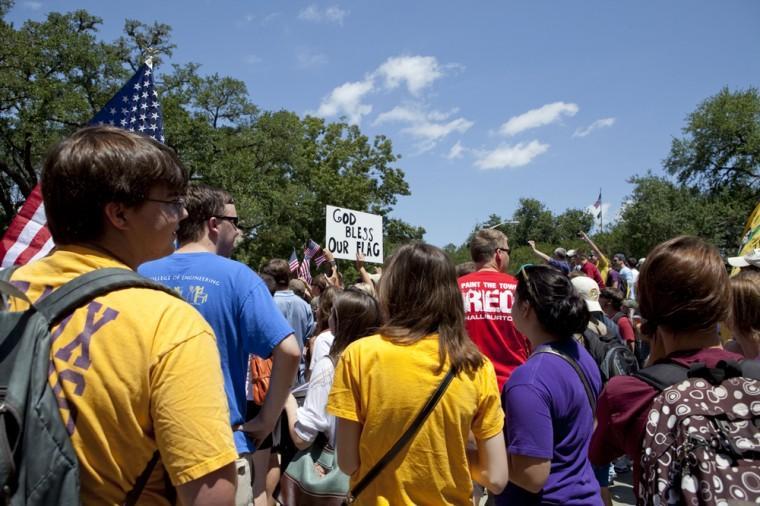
[382, 382]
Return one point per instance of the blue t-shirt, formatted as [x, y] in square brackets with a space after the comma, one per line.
[299, 315]
[548, 416]
[237, 304]
[560, 265]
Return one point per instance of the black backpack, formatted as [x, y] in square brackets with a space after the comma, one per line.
[613, 357]
[38, 464]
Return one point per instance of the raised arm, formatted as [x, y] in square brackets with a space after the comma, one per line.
[360, 267]
[593, 246]
[538, 253]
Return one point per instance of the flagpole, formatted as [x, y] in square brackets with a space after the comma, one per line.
[601, 212]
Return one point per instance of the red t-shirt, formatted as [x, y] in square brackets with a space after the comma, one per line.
[488, 297]
[591, 271]
[623, 408]
[626, 329]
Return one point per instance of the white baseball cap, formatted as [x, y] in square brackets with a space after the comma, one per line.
[589, 291]
[752, 258]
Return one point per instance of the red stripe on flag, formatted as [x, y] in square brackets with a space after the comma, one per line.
[13, 235]
[34, 247]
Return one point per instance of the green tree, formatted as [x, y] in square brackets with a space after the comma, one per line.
[282, 169]
[720, 147]
[534, 222]
[569, 223]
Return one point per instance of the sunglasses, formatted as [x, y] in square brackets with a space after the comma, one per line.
[507, 250]
[232, 219]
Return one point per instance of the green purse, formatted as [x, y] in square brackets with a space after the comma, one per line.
[313, 477]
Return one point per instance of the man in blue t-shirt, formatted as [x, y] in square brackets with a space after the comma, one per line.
[238, 306]
[296, 311]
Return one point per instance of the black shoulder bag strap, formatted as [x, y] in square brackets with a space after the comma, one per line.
[574, 364]
[404, 439]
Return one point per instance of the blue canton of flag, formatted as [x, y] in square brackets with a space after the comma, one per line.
[293, 262]
[312, 250]
[135, 107]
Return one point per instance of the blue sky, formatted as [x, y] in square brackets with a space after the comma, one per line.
[487, 102]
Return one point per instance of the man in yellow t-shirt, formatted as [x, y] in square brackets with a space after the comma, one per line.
[136, 370]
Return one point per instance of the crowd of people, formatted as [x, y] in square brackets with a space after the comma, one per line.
[431, 383]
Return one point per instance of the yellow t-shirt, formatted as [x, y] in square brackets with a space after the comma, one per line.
[383, 386]
[134, 370]
[604, 267]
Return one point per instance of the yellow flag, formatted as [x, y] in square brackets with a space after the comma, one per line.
[750, 236]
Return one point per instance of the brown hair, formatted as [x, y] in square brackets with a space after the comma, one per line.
[357, 315]
[683, 286]
[98, 165]
[745, 309]
[419, 296]
[299, 288]
[326, 300]
[484, 243]
[202, 202]
[613, 295]
[279, 269]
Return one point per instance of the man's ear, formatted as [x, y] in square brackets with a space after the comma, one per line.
[213, 228]
[116, 215]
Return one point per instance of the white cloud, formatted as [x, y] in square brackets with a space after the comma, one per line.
[428, 127]
[332, 14]
[308, 58]
[252, 59]
[535, 118]
[595, 211]
[510, 155]
[435, 131]
[600, 123]
[249, 17]
[346, 100]
[417, 72]
[456, 151]
[35, 6]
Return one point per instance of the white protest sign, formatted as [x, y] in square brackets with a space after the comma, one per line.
[348, 231]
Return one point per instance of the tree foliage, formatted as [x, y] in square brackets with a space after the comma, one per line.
[282, 169]
[720, 148]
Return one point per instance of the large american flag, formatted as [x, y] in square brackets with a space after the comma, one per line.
[135, 108]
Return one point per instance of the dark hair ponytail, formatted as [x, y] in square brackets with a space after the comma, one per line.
[559, 308]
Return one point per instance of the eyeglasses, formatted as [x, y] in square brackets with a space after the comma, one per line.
[507, 250]
[235, 220]
[178, 204]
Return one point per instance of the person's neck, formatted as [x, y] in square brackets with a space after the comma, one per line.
[685, 340]
[203, 245]
[489, 266]
[115, 249]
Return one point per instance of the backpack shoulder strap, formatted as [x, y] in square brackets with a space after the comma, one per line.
[570, 360]
[750, 369]
[662, 376]
[88, 286]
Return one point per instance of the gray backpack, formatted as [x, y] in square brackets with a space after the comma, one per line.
[38, 465]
